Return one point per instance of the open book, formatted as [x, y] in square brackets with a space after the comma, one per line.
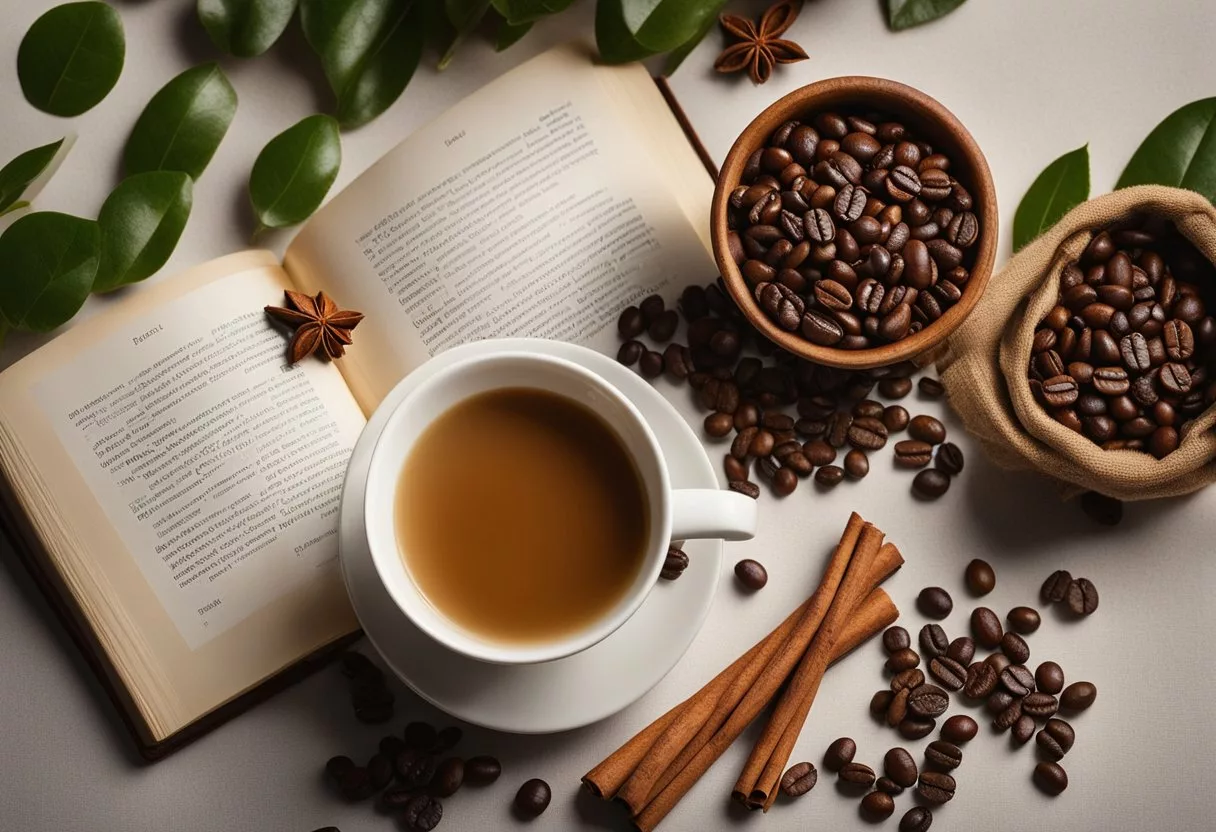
[175, 483]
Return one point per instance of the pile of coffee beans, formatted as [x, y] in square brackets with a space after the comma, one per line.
[787, 417]
[851, 232]
[1126, 356]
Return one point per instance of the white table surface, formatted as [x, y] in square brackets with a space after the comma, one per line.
[1031, 79]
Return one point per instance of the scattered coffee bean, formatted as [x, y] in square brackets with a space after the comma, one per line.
[396, 799]
[1049, 678]
[986, 627]
[998, 661]
[1017, 679]
[982, 679]
[950, 673]
[799, 779]
[1056, 739]
[934, 602]
[880, 703]
[829, 475]
[651, 364]
[1006, 718]
[895, 638]
[886, 784]
[1050, 778]
[747, 489]
[448, 777]
[877, 806]
[928, 701]
[1015, 647]
[1081, 597]
[895, 388]
[857, 774]
[927, 429]
[944, 755]
[630, 352]
[979, 575]
[962, 650]
[1078, 696]
[949, 459]
[751, 574]
[336, 767]
[423, 813]
[481, 771]
[533, 798]
[1024, 620]
[631, 323]
[356, 785]
[785, 481]
[895, 417]
[1104, 510]
[856, 464]
[912, 453]
[415, 768]
[930, 388]
[915, 728]
[910, 679]
[933, 640]
[899, 765]
[916, 819]
[936, 787]
[1040, 705]
[930, 484]
[380, 771]
[447, 739]
[898, 711]
[998, 701]
[902, 660]
[674, 564]
[1055, 588]
[959, 728]
[840, 753]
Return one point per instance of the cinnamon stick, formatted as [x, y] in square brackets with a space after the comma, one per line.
[772, 750]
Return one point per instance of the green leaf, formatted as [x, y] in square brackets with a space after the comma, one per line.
[19, 174]
[183, 124]
[904, 14]
[245, 28]
[518, 12]
[47, 265]
[663, 25]
[465, 16]
[369, 50]
[677, 56]
[616, 43]
[1062, 186]
[71, 58]
[1181, 151]
[508, 34]
[141, 222]
[294, 172]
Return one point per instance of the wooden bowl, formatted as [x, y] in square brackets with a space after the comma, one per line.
[929, 121]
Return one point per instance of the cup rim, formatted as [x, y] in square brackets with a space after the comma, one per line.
[391, 569]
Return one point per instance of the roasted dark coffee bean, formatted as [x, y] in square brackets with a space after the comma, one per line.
[718, 425]
[396, 799]
[959, 728]
[799, 779]
[899, 765]
[630, 352]
[928, 701]
[962, 650]
[337, 767]
[930, 484]
[751, 574]
[886, 784]
[998, 662]
[1050, 778]
[675, 563]
[998, 701]
[747, 489]
[631, 323]
[911, 679]
[415, 769]
[533, 798]
[856, 463]
[1055, 588]
[933, 601]
[880, 703]
[1049, 678]
[944, 755]
[916, 819]
[784, 482]
[857, 774]
[986, 627]
[819, 452]
[950, 673]
[380, 771]
[915, 728]
[982, 679]
[936, 787]
[896, 417]
[735, 469]
[895, 388]
[912, 453]
[482, 770]
[979, 575]
[423, 813]
[949, 459]
[651, 364]
[927, 429]
[877, 806]
[867, 433]
[448, 778]
[1024, 620]
[1015, 647]
[930, 388]
[933, 640]
[1006, 718]
[1082, 597]
[838, 429]
[898, 711]
[1017, 679]
[1078, 696]
[447, 739]
[895, 638]
[840, 753]
[1056, 739]
[1040, 705]
[1022, 730]
[901, 660]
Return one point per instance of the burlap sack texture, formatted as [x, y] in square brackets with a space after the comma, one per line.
[983, 365]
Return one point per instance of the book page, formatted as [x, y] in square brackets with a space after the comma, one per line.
[540, 206]
[196, 477]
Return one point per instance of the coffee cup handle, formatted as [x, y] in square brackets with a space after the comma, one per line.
[708, 513]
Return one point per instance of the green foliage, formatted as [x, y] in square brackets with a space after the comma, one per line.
[1062, 186]
[509, 34]
[465, 16]
[666, 24]
[1180, 151]
[183, 124]
[245, 28]
[904, 14]
[295, 171]
[141, 222]
[71, 58]
[518, 12]
[47, 265]
[616, 43]
[17, 176]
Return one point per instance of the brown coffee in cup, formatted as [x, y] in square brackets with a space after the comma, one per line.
[520, 516]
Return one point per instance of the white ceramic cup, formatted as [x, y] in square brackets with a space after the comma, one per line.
[684, 514]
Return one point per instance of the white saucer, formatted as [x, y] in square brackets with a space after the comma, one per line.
[567, 693]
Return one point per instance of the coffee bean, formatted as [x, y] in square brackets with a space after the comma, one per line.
[944, 755]
[900, 767]
[915, 728]
[1078, 696]
[533, 798]
[877, 806]
[933, 640]
[880, 703]
[889, 786]
[747, 489]
[718, 425]
[916, 819]
[950, 673]
[1056, 739]
[934, 602]
[1050, 778]
[986, 627]
[1006, 718]
[895, 638]
[1040, 705]
[674, 564]
[928, 701]
[651, 364]
[898, 711]
[900, 660]
[481, 771]
[415, 768]
[998, 662]
[981, 681]
[1055, 587]
[962, 650]
[867, 433]
[396, 799]
[856, 464]
[912, 453]
[1017, 679]
[631, 322]
[998, 701]
[857, 774]
[799, 779]
[912, 678]
[927, 429]
[1015, 647]
[1024, 620]
[630, 352]
[1049, 678]
[829, 475]
[930, 388]
[1022, 730]
[895, 388]
[785, 480]
[930, 484]
[936, 787]
[959, 728]
[980, 577]
[751, 574]
[894, 417]
[423, 813]
[819, 452]
[840, 753]
[448, 777]
[1082, 597]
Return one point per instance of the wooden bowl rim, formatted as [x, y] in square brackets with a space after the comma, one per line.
[926, 108]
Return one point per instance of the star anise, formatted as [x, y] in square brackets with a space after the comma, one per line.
[759, 47]
[318, 322]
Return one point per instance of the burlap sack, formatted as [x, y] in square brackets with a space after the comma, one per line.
[983, 365]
